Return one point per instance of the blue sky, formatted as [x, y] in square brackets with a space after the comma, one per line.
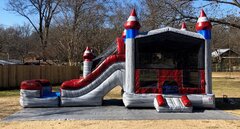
[11, 19]
[217, 11]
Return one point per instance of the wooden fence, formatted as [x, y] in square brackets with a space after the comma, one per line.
[12, 75]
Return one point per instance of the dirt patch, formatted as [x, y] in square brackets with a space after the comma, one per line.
[9, 105]
[234, 112]
[114, 93]
[117, 124]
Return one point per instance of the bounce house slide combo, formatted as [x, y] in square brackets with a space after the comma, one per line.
[167, 69]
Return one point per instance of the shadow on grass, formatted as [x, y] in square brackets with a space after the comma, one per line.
[228, 103]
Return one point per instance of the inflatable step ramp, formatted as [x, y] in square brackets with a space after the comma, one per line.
[38, 93]
[172, 104]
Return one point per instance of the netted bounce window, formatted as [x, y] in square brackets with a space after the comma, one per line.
[148, 78]
[191, 78]
[166, 58]
[169, 51]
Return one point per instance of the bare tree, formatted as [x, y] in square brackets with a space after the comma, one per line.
[159, 13]
[235, 4]
[75, 8]
[79, 24]
[45, 10]
[1, 38]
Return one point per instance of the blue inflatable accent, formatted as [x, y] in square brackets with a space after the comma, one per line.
[53, 94]
[167, 89]
[205, 33]
[131, 33]
[58, 94]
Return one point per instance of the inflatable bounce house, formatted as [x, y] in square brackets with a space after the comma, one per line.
[167, 68]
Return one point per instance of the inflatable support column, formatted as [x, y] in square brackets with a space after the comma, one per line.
[132, 26]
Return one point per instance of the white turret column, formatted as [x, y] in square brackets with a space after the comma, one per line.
[87, 63]
[132, 26]
[204, 27]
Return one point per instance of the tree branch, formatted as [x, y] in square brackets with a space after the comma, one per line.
[31, 22]
[211, 19]
[234, 3]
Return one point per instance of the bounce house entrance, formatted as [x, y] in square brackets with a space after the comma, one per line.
[169, 63]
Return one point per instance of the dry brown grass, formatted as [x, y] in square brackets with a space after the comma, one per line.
[224, 86]
[230, 88]
[226, 75]
[123, 124]
[9, 105]
[114, 93]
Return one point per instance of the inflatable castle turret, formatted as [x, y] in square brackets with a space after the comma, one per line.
[184, 27]
[132, 26]
[87, 63]
[203, 27]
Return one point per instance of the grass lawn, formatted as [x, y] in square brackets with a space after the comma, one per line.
[9, 93]
[9, 103]
[231, 88]
[226, 86]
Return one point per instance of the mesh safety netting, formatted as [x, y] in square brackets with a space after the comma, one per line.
[111, 49]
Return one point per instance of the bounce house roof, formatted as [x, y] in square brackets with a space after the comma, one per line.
[173, 30]
[171, 38]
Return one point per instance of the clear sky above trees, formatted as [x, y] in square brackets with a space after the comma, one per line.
[7, 18]
[11, 19]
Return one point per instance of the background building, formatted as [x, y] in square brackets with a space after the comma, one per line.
[225, 60]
